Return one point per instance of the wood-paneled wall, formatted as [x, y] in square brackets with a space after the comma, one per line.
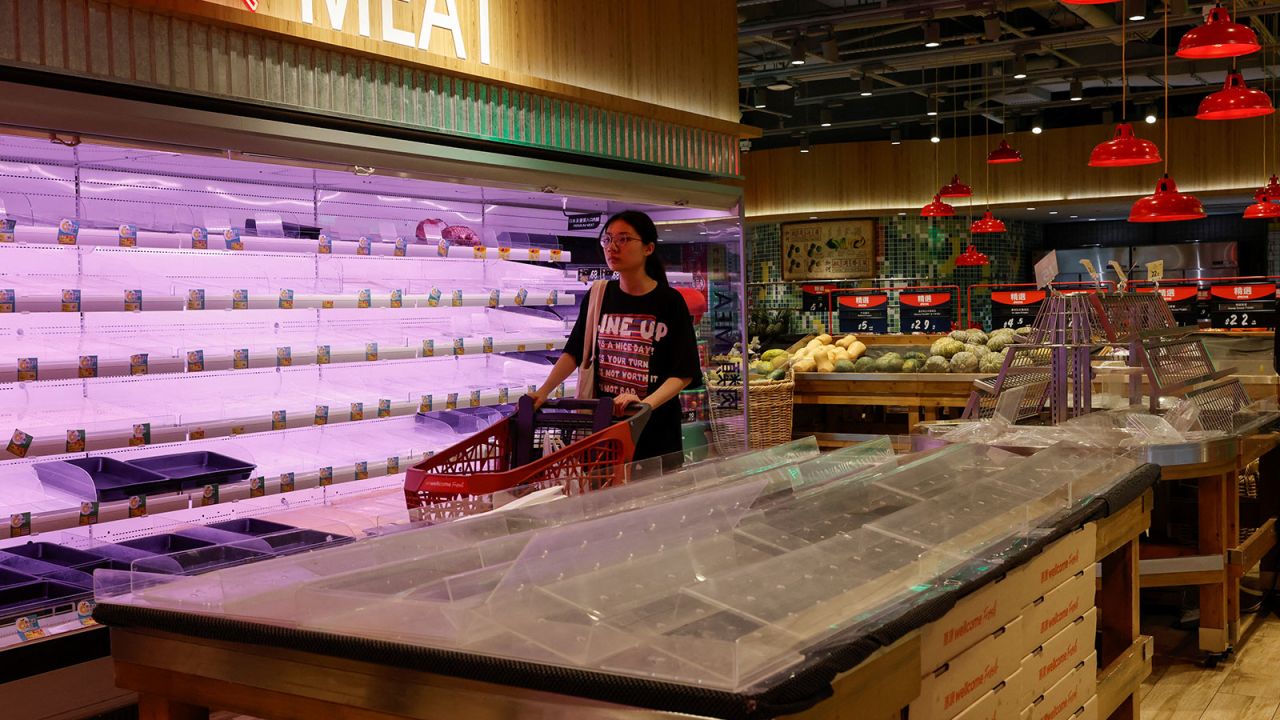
[879, 178]
[673, 60]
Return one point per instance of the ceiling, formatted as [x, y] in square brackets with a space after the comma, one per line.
[854, 47]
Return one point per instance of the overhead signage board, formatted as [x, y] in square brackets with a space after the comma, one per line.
[829, 250]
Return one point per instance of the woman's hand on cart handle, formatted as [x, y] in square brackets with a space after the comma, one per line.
[539, 397]
[621, 402]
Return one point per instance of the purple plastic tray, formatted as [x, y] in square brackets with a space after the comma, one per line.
[196, 469]
[59, 555]
[112, 479]
[17, 600]
[283, 539]
[10, 577]
[40, 569]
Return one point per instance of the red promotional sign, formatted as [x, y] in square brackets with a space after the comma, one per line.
[1017, 297]
[252, 5]
[1243, 292]
[863, 301]
[924, 299]
[1174, 294]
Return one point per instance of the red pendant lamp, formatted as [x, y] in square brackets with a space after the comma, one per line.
[973, 258]
[1004, 154]
[937, 208]
[955, 189]
[1219, 37]
[1166, 205]
[1125, 149]
[987, 224]
[1263, 208]
[1235, 101]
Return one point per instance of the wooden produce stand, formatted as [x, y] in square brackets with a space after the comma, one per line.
[179, 676]
[921, 394]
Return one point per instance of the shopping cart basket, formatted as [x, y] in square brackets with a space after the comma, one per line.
[573, 443]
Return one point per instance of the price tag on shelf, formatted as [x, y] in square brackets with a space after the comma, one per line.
[457, 298]
[84, 613]
[451, 401]
[384, 408]
[8, 301]
[325, 246]
[326, 476]
[364, 246]
[240, 299]
[357, 411]
[240, 359]
[556, 254]
[322, 415]
[397, 298]
[371, 352]
[493, 298]
[364, 299]
[393, 465]
[199, 238]
[257, 486]
[286, 482]
[232, 238]
[535, 254]
[19, 443]
[128, 235]
[324, 355]
[88, 513]
[7, 226]
[433, 300]
[362, 470]
[428, 348]
[504, 253]
[20, 524]
[138, 364]
[209, 495]
[28, 627]
[141, 435]
[442, 248]
[195, 299]
[426, 404]
[286, 300]
[70, 301]
[133, 300]
[284, 356]
[137, 506]
[521, 296]
[197, 433]
[459, 346]
[195, 361]
[68, 231]
[1155, 270]
[553, 297]
[486, 345]
[479, 252]
[237, 429]
[402, 247]
[326, 304]
[475, 398]
[28, 369]
[279, 419]
[75, 441]
[504, 395]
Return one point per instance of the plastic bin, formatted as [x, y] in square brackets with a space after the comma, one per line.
[111, 479]
[58, 555]
[283, 539]
[17, 600]
[196, 469]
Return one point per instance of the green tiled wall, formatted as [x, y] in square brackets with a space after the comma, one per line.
[910, 250]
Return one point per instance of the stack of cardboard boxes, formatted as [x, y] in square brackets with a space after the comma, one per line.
[1021, 647]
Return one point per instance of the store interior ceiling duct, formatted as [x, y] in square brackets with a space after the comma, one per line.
[971, 257]
[987, 224]
[1004, 154]
[937, 208]
[1166, 205]
[1219, 37]
[1124, 150]
[955, 189]
[1235, 101]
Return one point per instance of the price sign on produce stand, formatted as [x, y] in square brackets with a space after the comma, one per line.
[926, 312]
[1243, 307]
[864, 313]
[1182, 300]
[1015, 308]
[1155, 270]
[813, 298]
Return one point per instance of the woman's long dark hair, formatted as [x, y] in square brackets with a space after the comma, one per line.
[648, 233]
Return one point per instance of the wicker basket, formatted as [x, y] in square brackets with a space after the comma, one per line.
[770, 405]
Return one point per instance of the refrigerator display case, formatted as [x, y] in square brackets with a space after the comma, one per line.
[733, 582]
[324, 325]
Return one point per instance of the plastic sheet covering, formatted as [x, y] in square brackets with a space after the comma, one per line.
[721, 576]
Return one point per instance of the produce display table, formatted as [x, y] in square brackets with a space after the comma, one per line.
[183, 669]
[922, 394]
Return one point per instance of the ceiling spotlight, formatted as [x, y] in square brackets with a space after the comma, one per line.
[932, 109]
[1149, 114]
[1053, 212]
[798, 51]
[758, 99]
[932, 35]
[804, 144]
[779, 84]
[1077, 90]
[1135, 9]
[895, 136]
[1037, 124]
[934, 137]
[864, 85]
[1020, 67]
[824, 117]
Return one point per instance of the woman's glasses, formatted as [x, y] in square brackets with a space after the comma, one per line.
[617, 240]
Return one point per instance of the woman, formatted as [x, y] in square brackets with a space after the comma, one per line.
[645, 345]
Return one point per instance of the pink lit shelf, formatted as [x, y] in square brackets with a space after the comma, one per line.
[120, 412]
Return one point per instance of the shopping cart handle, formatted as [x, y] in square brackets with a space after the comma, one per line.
[601, 408]
[640, 412]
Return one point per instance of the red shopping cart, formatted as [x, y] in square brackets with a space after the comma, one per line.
[572, 443]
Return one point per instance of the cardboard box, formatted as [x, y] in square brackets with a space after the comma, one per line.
[1061, 560]
[1052, 613]
[1089, 711]
[999, 703]
[1069, 695]
[964, 680]
[1053, 660]
[972, 619]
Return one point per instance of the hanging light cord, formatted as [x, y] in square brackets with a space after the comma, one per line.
[986, 133]
[969, 121]
[1124, 66]
[1167, 153]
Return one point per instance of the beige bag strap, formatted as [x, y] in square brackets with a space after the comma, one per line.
[594, 306]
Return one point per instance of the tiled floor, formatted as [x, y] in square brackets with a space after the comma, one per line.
[1246, 686]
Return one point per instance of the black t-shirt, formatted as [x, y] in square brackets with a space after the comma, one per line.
[641, 342]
